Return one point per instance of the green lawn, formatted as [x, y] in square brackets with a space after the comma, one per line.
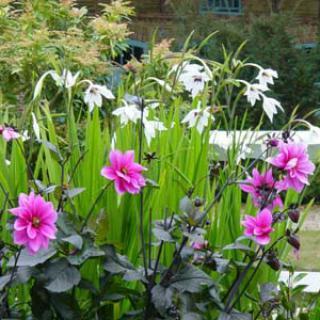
[309, 252]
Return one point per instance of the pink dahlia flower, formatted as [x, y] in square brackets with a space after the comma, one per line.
[259, 227]
[9, 133]
[35, 222]
[293, 159]
[262, 189]
[125, 173]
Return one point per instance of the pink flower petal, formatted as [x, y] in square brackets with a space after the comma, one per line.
[108, 173]
[31, 231]
[263, 239]
[115, 159]
[48, 231]
[264, 218]
[20, 237]
[20, 224]
[36, 243]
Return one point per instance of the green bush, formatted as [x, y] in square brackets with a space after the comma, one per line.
[269, 43]
[36, 36]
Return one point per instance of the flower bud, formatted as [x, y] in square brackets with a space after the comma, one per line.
[278, 217]
[294, 242]
[273, 142]
[198, 202]
[286, 135]
[294, 214]
[274, 264]
[273, 261]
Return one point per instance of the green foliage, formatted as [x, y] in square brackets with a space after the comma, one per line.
[36, 36]
[269, 42]
[129, 256]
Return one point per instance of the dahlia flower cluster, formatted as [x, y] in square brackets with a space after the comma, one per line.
[35, 223]
[294, 168]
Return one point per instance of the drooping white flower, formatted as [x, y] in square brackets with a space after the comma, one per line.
[25, 136]
[198, 118]
[270, 106]
[129, 112]
[66, 79]
[193, 77]
[266, 76]
[254, 92]
[152, 104]
[151, 127]
[94, 93]
[314, 131]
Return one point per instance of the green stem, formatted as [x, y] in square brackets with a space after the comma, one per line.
[94, 205]
[141, 227]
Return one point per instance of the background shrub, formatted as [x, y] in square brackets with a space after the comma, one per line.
[268, 42]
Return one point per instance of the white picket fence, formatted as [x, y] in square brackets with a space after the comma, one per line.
[253, 142]
[311, 280]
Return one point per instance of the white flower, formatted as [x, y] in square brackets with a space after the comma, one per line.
[150, 128]
[254, 92]
[93, 95]
[266, 76]
[193, 76]
[198, 118]
[129, 112]
[35, 126]
[66, 79]
[270, 106]
[152, 104]
[7, 162]
[315, 132]
[69, 80]
[25, 136]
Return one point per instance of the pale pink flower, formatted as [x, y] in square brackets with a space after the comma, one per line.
[294, 160]
[262, 187]
[199, 245]
[35, 222]
[9, 133]
[125, 173]
[259, 227]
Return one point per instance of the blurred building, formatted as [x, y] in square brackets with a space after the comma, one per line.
[164, 15]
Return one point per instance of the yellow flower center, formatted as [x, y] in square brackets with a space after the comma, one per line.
[124, 171]
[35, 222]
